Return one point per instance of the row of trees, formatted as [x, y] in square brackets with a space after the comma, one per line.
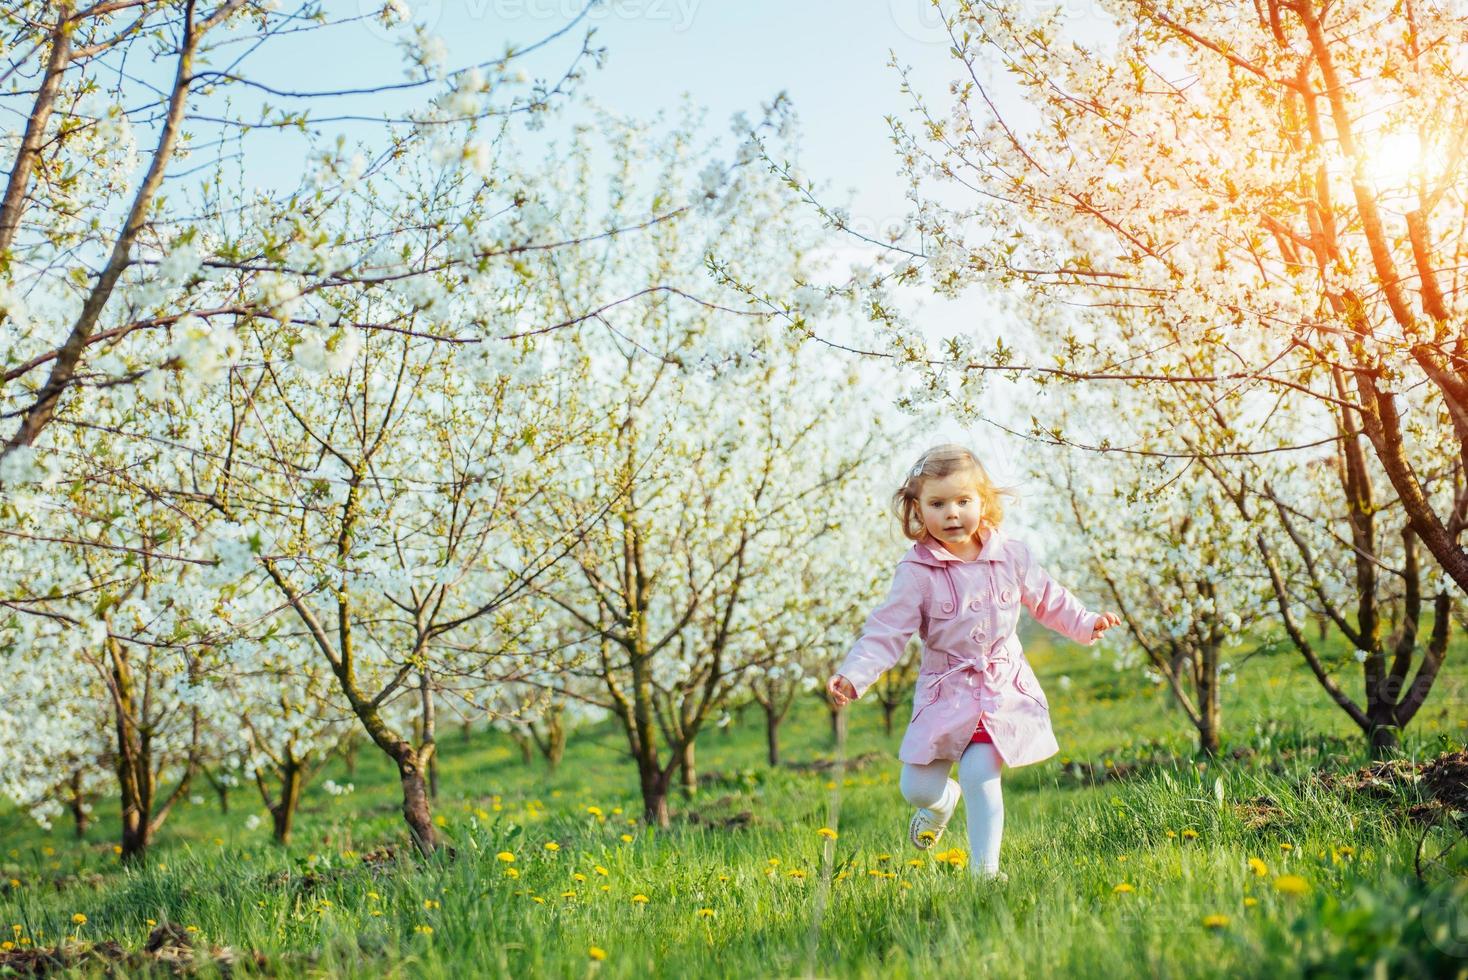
[471, 424]
[1233, 235]
[458, 426]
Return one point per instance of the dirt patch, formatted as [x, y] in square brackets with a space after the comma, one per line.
[1430, 789]
[169, 946]
[1258, 812]
[1116, 770]
[720, 814]
[853, 764]
[1446, 778]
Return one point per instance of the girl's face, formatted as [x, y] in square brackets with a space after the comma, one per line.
[951, 507]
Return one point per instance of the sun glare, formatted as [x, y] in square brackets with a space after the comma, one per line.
[1396, 158]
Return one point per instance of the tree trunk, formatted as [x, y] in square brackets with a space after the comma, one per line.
[527, 746]
[772, 735]
[349, 754]
[78, 805]
[687, 770]
[838, 724]
[555, 747]
[654, 785]
[889, 708]
[430, 731]
[1385, 740]
[416, 809]
[283, 811]
[1209, 713]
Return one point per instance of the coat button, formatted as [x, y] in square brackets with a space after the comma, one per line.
[977, 695]
[976, 633]
[975, 605]
[948, 607]
[1007, 595]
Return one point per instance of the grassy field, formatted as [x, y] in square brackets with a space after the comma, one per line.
[1147, 873]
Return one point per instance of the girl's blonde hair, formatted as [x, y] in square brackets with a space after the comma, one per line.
[937, 463]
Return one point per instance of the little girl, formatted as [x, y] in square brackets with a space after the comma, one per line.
[977, 700]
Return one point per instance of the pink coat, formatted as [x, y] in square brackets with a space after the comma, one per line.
[973, 666]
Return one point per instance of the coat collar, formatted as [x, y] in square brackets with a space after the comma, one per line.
[929, 552]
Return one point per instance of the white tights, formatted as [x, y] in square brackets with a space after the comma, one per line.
[978, 778]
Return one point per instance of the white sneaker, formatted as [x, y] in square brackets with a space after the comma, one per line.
[997, 877]
[928, 823]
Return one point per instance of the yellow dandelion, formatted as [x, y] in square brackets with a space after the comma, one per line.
[7, 946]
[723, 877]
[425, 929]
[1122, 889]
[705, 913]
[600, 870]
[640, 899]
[79, 919]
[915, 863]
[1291, 885]
[1250, 902]
[512, 872]
[884, 857]
[828, 833]
[1286, 846]
[506, 857]
[116, 848]
[431, 903]
[626, 838]
[568, 894]
[616, 811]
[1259, 868]
[552, 846]
[578, 876]
[1190, 834]
[1172, 833]
[795, 873]
[907, 884]
[191, 928]
[480, 813]
[1215, 921]
[597, 953]
[595, 811]
[441, 820]
[537, 899]
[773, 862]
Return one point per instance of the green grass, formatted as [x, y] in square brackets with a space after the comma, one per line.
[1067, 845]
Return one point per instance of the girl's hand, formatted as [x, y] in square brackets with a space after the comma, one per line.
[840, 690]
[1103, 624]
